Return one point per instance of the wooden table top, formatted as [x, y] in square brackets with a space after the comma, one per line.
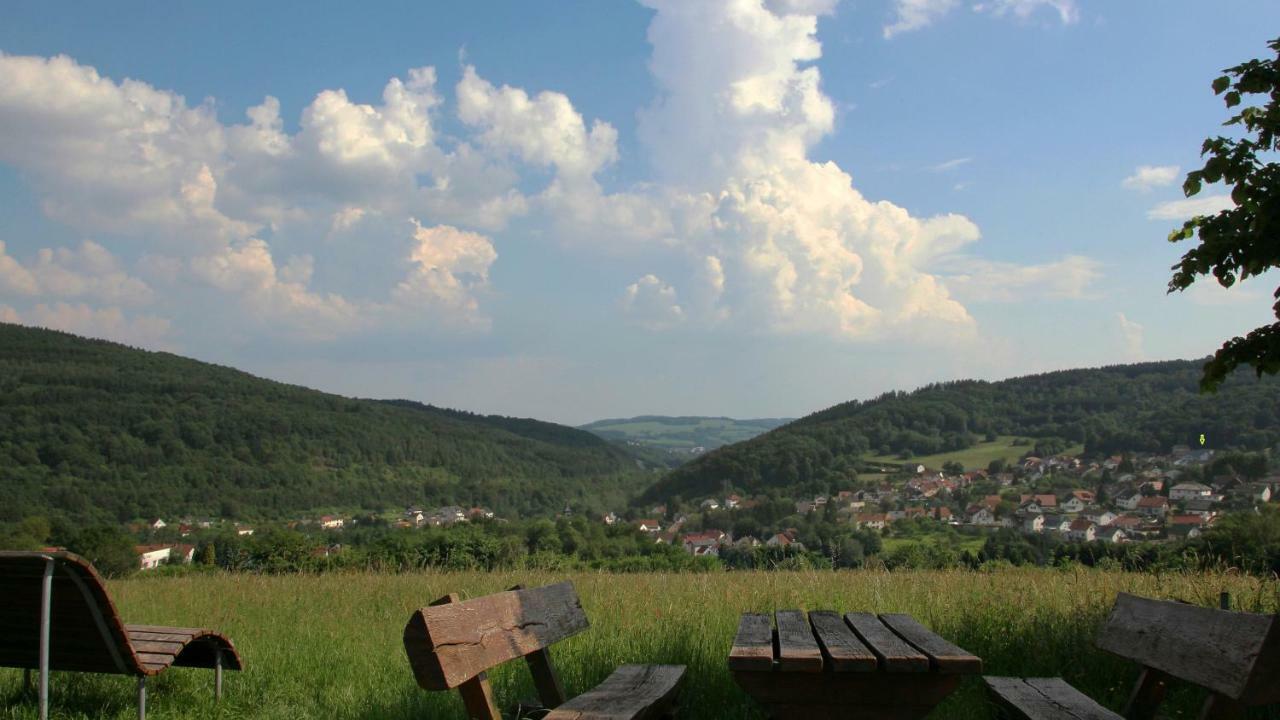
[852, 643]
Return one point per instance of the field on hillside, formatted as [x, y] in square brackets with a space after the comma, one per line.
[973, 458]
[329, 646]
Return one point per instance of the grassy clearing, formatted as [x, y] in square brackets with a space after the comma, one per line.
[961, 543]
[329, 646]
[974, 458]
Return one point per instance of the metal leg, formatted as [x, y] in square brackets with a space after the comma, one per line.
[217, 674]
[142, 698]
[46, 595]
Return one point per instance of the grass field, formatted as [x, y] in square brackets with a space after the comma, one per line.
[329, 646]
[972, 544]
[974, 458]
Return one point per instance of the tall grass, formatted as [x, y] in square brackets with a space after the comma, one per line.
[329, 646]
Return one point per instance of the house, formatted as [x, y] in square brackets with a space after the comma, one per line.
[1153, 506]
[1057, 523]
[979, 515]
[1081, 530]
[1260, 491]
[243, 530]
[1185, 526]
[1072, 504]
[450, 514]
[1112, 534]
[1203, 506]
[785, 539]
[895, 515]
[803, 507]
[330, 522]
[1101, 517]
[1127, 522]
[610, 518]
[157, 524]
[648, 526]
[182, 553]
[480, 513]
[732, 502]
[941, 514]
[747, 541]
[1033, 524]
[1128, 500]
[873, 521]
[1189, 491]
[704, 543]
[709, 504]
[152, 556]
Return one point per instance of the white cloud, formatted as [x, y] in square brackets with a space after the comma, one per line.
[449, 267]
[976, 280]
[916, 14]
[89, 271]
[1145, 177]
[652, 303]
[1190, 207]
[108, 323]
[1068, 11]
[951, 164]
[1131, 334]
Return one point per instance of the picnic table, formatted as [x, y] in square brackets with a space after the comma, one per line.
[858, 665]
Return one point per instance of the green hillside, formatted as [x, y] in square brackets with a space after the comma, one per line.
[93, 429]
[1143, 407]
[682, 434]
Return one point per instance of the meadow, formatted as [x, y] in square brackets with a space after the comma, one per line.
[329, 645]
[972, 458]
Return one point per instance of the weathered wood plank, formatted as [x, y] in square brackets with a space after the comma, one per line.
[138, 636]
[632, 692]
[943, 655]
[753, 645]
[797, 647]
[147, 658]
[153, 646]
[894, 652]
[1044, 699]
[545, 678]
[452, 643]
[1146, 696]
[844, 650]
[1215, 649]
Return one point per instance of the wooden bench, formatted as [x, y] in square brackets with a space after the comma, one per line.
[452, 644]
[1235, 656]
[56, 615]
[854, 666]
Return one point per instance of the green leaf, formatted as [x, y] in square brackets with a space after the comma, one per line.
[1221, 84]
[1191, 186]
[1233, 98]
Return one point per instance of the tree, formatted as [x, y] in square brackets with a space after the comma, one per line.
[1241, 241]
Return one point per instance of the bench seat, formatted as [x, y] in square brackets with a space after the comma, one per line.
[1044, 699]
[632, 692]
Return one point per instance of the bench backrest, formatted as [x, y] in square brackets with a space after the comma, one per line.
[451, 643]
[85, 632]
[1234, 654]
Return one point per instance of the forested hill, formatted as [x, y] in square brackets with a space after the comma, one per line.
[682, 434]
[1143, 407]
[93, 429]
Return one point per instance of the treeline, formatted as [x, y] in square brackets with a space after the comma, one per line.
[1147, 407]
[100, 432]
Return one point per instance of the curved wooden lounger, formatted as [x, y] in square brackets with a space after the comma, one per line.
[85, 633]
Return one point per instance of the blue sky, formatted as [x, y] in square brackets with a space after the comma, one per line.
[576, 210]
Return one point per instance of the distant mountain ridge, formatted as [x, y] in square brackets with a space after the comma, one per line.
[1140, 407]
[679, 434]
[92, 429]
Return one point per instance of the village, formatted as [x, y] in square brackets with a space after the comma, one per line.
[1121, 499]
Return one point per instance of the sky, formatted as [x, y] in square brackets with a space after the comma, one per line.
[579, 210]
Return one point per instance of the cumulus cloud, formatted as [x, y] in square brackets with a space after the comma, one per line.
[90, 271]
[1067, 10]
[652, 303]
[1145, 177]
[1131, 335]
[450, 267]
[107, 323]
[1190, 207]
[915, 14]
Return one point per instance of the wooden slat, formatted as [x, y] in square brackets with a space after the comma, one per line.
[943, 655]
[163, 659]
[797, 647]
[158, 637]
[161, 648]
[632, 692]
[167, 630]
[1215, 649]
[894, 653]
[844, 650]
[753, 645]
[452, 643]
[1045, 699]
